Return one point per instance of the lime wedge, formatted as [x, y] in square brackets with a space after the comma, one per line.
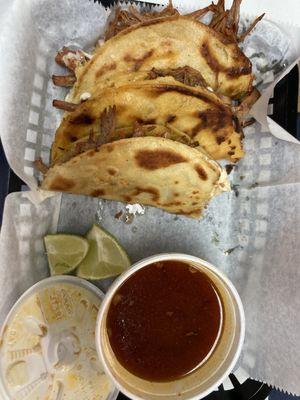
[105, 258]
[65, 252]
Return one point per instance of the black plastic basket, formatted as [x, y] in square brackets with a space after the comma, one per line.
[285, 114]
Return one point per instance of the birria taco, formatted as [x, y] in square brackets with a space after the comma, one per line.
[152, 108]
[197, 112]
[149, 170]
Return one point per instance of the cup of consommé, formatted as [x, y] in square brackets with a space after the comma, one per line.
[170, 327]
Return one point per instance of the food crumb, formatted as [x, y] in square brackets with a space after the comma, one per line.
[229, 168]
[119, 214]
[129, 218]
[84, 96]
[253, 185]
[232, 249]
[235, 189]
[135, 209]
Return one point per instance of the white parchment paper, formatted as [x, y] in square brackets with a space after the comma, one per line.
[252, 233]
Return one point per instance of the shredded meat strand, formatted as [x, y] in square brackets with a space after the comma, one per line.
[107, 125]
[218, 20]
[65, 105]
[244, 107]
[233, 19]
[187, 75]
[249, 122]
[63, 80]
[79, 147]
[135, 13]
[138, 130]
[123, 19]
[201, 12]
[223, 21]
[70, 59]
[41, 166]
[251, 27]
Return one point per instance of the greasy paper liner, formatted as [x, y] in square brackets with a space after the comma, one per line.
[251, 233]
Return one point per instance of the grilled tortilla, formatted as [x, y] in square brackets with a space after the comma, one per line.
[164, 44]
[195, 112]
[152, 171]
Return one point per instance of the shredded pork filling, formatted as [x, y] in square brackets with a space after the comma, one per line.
[223, 21]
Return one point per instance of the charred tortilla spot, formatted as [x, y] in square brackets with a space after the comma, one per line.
[210, 59]
[73, 138]
[112, 171]
[212, 119]
[214, 64]
[155, 159]
[138, 61]
[63, 184]
[231, 153]
[233, 72]
[82, 118]
[127, 198]
[90, 153]
[194, 204]
[176, 182]
[149, 121]
[220, 139]
[153, 191]
[236, 124]
[176, 194]
[170, 118]
[197, 128]
[98, 193]
[201, 172]
[105, 68]
[174, 203]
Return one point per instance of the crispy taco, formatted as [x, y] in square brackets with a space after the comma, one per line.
[195, 112]
[153, 108]
[150, 170]
[165, 44]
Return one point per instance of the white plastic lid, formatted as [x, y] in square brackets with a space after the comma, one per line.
[47, 344]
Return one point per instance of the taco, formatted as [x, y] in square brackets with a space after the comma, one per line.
[195, 112]
[169, 43]
[150, 170]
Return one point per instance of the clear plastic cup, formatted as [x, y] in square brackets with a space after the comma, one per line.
[47, 344]
[203, 380]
